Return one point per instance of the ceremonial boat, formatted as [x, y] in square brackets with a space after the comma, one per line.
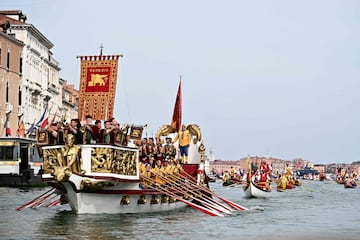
[258, 180]
[107, 178]
[341, 175]
[350, 183]
[254, 191]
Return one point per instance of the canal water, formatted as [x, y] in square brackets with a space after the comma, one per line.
[316, 210]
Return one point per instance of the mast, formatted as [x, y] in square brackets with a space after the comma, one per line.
[177, 114]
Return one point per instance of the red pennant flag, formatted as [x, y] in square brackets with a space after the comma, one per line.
[44, 123]
[176, 119]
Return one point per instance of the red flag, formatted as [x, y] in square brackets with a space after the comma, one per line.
[8, 132]
[44, 123]
[176, 119]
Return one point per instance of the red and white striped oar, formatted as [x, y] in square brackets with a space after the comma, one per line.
[37, 200]
[207, 211]
[57, 202]
[228, 202]
[182, 188]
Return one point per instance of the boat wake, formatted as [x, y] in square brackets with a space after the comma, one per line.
[257, 208]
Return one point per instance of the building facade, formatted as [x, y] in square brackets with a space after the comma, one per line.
[40, 84]
[70, 101]
[10, 81]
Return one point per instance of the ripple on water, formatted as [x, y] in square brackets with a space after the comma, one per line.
[314, 210]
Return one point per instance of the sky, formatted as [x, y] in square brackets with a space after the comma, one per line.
[267, 78]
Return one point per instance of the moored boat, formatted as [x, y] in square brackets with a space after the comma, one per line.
[20, 163]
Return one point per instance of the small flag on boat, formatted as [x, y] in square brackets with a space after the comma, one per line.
[176, 119]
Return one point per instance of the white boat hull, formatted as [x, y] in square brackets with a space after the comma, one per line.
[254, 192]
[110, 200]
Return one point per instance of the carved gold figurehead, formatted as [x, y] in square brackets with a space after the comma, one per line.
[62, 162]
[165, 130]
[194, 130]
[61, 173]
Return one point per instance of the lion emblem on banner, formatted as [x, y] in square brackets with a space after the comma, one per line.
[98, 79]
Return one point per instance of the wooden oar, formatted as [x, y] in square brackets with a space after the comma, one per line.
[204, 189]
[44, 201]
[198, 207]
[54, 203]
[187, 192]
[181, 190]
[228, 202]
[309, 189]
[234, 184]
[192, 187]
[38, 199]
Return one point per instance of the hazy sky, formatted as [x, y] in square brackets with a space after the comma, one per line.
[266, 78]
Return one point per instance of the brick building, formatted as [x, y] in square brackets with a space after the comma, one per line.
[10, 80]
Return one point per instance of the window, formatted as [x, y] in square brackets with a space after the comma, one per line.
[7, 92]
[8, 60]
[19, 100]
[8, 153]
[20, 65]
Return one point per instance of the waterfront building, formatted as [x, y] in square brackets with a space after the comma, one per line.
[40, 84]
[208, 160]
[10, 81]
[70, 101]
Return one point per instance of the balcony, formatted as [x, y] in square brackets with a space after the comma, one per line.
[35, 88]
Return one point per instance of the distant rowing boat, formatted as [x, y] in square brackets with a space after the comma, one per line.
[253, 191]
[258, 181]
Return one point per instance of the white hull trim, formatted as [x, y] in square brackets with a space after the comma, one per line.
[253, 192]
[110, 200]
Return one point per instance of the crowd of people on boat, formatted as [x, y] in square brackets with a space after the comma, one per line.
[157, 158]
[150, 150]
[89, 131]
[343, 176]
[260, 175]
[158, 173]
[286, 180]
[230, 176]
